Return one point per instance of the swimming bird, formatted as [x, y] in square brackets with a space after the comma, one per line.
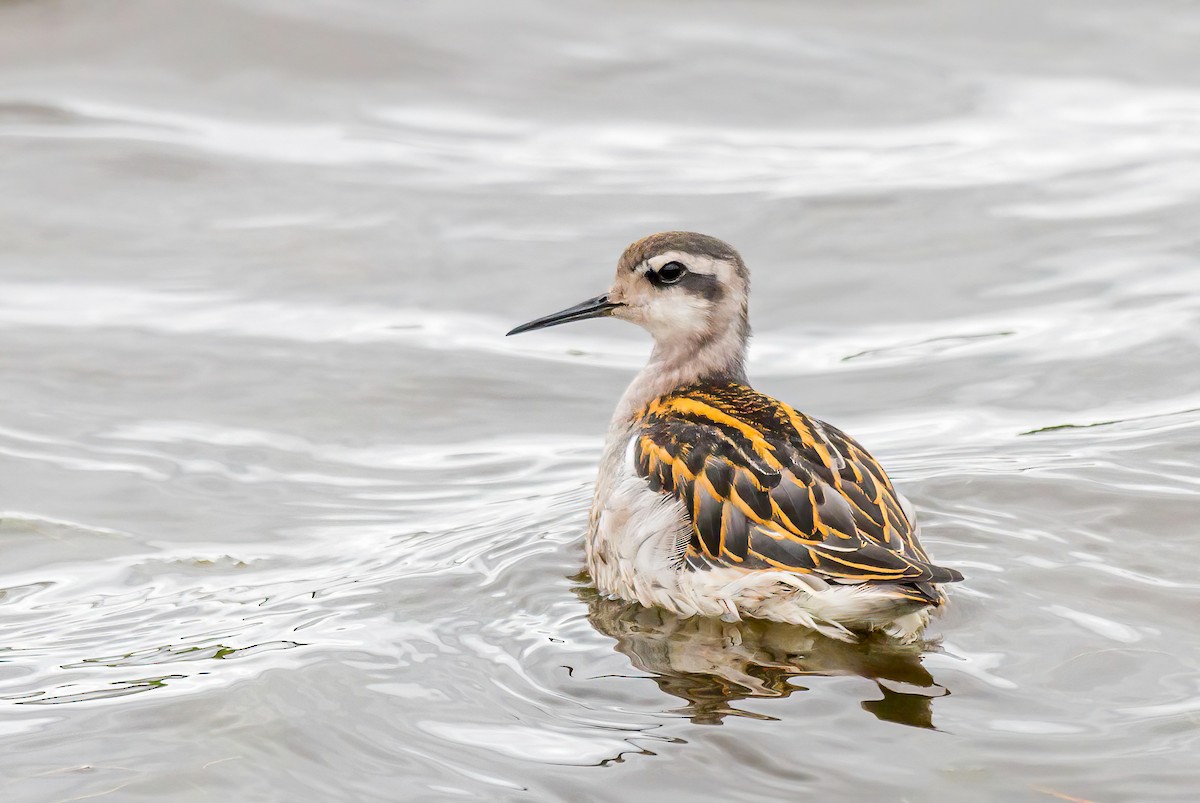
[716, 500]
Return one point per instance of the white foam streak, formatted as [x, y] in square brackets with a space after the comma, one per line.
[1085, 328]
[1106, 628]
[1023, 130]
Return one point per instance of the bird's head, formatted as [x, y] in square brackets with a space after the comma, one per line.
[688, 290]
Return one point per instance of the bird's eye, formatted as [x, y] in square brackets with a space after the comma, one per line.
[671, 272]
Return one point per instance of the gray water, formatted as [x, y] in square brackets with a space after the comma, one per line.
[285, 516]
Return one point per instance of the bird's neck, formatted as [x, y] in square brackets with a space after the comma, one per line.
[673, 365]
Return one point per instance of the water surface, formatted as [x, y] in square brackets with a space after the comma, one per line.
[285, 516]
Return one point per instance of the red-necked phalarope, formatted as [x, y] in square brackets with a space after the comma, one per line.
[714, 499]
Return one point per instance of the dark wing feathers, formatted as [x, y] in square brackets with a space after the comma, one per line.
[768, 487]
[794, 506]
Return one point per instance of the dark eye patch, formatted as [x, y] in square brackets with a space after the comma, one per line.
[704, 285]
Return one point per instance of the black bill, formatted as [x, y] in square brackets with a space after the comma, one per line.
[592, 308]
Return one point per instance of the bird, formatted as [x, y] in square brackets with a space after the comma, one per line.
[713, 499]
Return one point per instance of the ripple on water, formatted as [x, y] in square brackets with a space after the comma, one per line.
[110, 602]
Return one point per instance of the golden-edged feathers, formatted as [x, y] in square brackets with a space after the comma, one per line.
[766, 487]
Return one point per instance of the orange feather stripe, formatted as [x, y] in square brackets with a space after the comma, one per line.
[687, 406]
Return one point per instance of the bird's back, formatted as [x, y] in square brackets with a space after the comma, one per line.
[767, 487]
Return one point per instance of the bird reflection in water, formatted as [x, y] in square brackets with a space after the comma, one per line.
[710, 663]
